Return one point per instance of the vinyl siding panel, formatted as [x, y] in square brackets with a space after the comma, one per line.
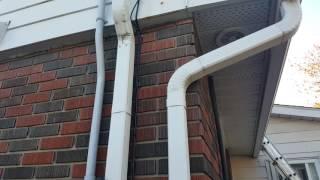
[294, 138]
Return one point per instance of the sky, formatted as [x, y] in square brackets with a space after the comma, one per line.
[292, 88]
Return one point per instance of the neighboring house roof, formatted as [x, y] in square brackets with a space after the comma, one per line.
[296, 112]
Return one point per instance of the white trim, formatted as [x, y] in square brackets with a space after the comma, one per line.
[296, 112]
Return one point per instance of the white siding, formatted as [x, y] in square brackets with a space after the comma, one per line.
[294, 138]
[34, 21]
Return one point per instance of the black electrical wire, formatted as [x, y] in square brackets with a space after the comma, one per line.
[135, 83]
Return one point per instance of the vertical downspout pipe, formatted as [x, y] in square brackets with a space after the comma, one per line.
[98, 100]
[118, 145]
[276, 34]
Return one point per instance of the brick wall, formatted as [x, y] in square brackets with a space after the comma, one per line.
[46, 107]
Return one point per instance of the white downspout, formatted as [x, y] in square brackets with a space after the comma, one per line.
[118, 146]
[281, 32]
[278, 161]
[98, 100]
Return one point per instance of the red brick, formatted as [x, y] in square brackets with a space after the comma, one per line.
[18, 110]
[195, 129]
[147, 37]
[5, 93]
[110, 75]
[32, 120]
[86, 59]
[29, 70]
[7, 75]
[79, 51]
[185, 21]
[184, 60]
[74, 52]
[76, 127]
[165, 77]
[57, 142]
[106, 111]
[145, 134]
[86, 113]
[66, 53]
[55, 84]
[151, 178]
[158, 45]
[148, 57]
[151, 92]
[200, 177]
[40, 77]
[37, 97]
[194, 113]
[102, 154]
[79, 102]
[4, 67]
[3, 147]
[79, 170]
[37, 158]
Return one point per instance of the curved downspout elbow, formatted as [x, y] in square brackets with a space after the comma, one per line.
[178, 150]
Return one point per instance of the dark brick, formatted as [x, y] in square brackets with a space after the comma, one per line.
[175, 31]
[62, 116]
[75, 71]
[44, 58]
[147, 167]
[110, 64]
[163, 133]
[163, 166]
[48, 107]
[151, 150]
[72, 156]
[10, 101]
[91, 88]
[52, 171]
[2, 112]
[7, 123]
[83, 140]
[70, 92]
[107, 98]
[185, 40]
[201, 165]
[19, 64]
[92, 68]
[23, 145]
[14, 133]
[25, 89]
[10, 159]
[41, 131]
[86, 79]
[57, 64]
[14, 82]
[111, 54]
[19, 173]
[157, 67]
[147, 80]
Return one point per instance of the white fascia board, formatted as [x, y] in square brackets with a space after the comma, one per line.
[53, 28]
[296, 112]
[45, 20]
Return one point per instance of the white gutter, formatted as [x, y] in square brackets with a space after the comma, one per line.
[278, 161]
[118, 146]
[98, 100]
[208, 63]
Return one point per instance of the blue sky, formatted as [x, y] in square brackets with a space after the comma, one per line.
[292, 88]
